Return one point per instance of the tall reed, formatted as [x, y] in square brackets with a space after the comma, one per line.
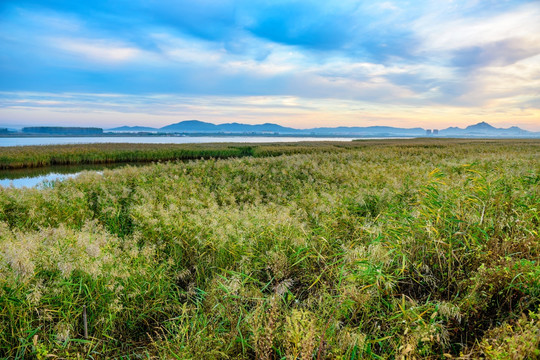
[402, 249]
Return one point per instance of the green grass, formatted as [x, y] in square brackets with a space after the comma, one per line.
[378, 249]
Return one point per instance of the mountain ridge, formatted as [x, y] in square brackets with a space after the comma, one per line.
[201, 127]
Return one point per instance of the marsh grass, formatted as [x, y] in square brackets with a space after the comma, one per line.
[412, 249]
[19, 157]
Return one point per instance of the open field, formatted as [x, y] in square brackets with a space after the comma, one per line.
[363, 250]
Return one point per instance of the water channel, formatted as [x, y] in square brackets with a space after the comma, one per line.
[46, 176]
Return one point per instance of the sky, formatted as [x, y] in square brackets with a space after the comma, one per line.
[302, 63]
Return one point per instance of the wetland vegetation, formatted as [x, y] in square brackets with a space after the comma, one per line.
[420, 248]
[19, 157]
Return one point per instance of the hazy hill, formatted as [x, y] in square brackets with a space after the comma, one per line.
[204, 127]
[369, 130]
[485, 129]
[190, 126]
[201, 127]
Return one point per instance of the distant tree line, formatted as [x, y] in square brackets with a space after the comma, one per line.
[57, 130]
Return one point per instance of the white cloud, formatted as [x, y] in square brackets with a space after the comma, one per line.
[445, 32]
[187, 50]
[387, 5]
[514, 84]
[96, 49]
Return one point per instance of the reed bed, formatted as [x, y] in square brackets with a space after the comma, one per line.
[19, 157]
[369, 250]
[42, 156]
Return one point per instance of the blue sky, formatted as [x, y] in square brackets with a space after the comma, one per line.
[297, 63]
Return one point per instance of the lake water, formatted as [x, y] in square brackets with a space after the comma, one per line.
[36, 181]
[24, 141]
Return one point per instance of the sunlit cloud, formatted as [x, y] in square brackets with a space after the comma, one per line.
[444, 32]
[96, 50]
[110, 110]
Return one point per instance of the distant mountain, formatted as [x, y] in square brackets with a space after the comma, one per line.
[485, 129]
[266, 127]
[369, 130]
[188, 126]
[481, 129]
[133, 129]
[481, 126]
[195, 126]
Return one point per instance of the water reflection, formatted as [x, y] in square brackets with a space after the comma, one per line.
[44, 177]
[36, 181]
